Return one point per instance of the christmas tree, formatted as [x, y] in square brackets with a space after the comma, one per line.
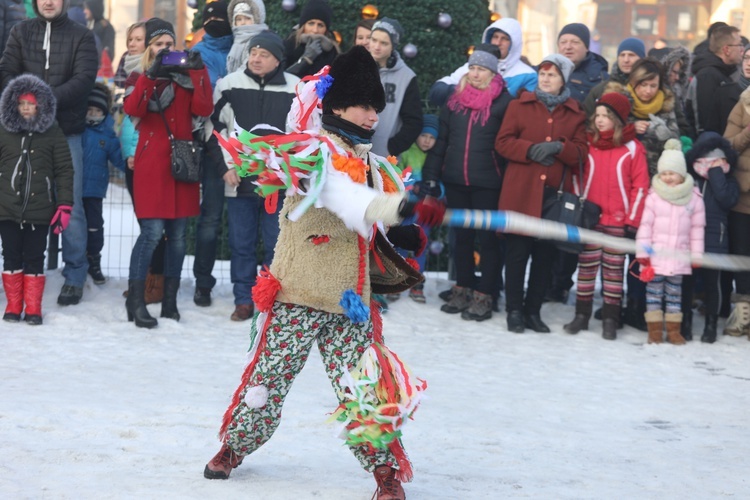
[441, 30]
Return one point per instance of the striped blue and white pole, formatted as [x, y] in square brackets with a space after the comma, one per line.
[517, 223]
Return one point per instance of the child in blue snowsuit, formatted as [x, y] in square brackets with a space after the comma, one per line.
[100, 147]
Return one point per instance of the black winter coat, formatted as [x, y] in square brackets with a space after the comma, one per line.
[36, 171]
[464, 153]
[12, 12]
[590, 73]
[72, 64]
[710, 75]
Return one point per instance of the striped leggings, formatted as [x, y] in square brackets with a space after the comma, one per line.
[612, 262]
[666, 288]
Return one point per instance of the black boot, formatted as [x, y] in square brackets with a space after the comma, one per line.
[95, 269]
[610, 321]
[169, 302]
[534, 321]
[515, 321]
[135, 304]
[686, 328]
[709, 331]
[634, 315]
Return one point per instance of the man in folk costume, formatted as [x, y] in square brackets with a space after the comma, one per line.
[339, 198]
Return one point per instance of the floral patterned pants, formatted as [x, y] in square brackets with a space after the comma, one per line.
[289, 338]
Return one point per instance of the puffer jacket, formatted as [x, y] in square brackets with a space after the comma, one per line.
[36, 172]
[738, 134]
[70, 68]
[617, 180]
[668, 227]
[464, 153]
[720, 191]
[587, 75]
[100, 146]
[12, 12]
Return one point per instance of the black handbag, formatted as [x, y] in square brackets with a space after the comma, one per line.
[187, 156]
[568, 208]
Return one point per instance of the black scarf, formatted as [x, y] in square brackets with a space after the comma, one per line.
[355, 133]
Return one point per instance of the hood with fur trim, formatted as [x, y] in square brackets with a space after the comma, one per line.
[257, 8]
[708, 141]
[46, 107]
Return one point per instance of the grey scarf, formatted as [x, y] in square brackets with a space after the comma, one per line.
[240, 50]
[167, 95]
[131, 63]
[552, 101]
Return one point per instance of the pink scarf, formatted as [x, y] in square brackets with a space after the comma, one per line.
[478, 101]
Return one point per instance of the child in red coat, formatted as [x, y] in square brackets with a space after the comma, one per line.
[616, 179]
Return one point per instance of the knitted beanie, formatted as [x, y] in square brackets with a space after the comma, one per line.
[431, 125]
[672, 159]
[156, 27]
[99, 98]
[578, 29]
[562, 63]
[392, 28]
[217, 9]
[316, 9]
[485, 55]
[271, 42]
[634, 45]
[617, 103]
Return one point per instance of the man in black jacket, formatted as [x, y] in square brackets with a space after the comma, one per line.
[712, 70]
[63, 54]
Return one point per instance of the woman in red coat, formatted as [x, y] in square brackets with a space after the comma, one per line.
[542, 131]
[162, 203]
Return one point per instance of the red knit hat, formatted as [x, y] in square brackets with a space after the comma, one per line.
[618, 103]
[28, 96]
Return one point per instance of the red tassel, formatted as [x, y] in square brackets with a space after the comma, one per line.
[377, 322]
[265, 290]
[413, 263]
[244, 381]
[404, 472]
[272, 201]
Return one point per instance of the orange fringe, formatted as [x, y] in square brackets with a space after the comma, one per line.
[353, 167]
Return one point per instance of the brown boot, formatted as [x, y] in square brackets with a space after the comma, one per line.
[610, 321]
[154, 288]
[655, 324]
[581, 319]
[222, 464]
[389, 488]
[673, 322]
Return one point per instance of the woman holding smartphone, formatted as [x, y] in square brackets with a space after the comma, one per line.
[177, 86]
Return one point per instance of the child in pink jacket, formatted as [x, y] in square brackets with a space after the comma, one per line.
[673, 221]
[616, 179]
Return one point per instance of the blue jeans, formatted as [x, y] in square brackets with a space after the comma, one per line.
[75, 236]
[209, 222]
[151, 233]
[247, 216]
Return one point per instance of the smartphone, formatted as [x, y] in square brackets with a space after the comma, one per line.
[174, 58]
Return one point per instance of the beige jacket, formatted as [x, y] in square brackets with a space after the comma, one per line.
[738, 134]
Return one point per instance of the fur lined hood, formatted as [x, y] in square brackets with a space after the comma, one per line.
[667, 107]
[678, 54]
[708, 141]
[11, 119]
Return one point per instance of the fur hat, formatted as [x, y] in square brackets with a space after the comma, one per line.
[46, 105]
[617, 103]
[562, 63]
[577, 29]
[255, 8]
[392, 28]
[485, 55]
[99, 98]
[156, 27]
[316, 9]
[672, 159]
[356, 82]
[271, 42]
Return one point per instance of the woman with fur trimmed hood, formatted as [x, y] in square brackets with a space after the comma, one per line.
[36, 190]
[676, 64]
[738, 134]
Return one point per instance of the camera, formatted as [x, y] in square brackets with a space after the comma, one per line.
[175, 58]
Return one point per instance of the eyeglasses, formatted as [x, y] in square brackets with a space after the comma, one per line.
[735, 45]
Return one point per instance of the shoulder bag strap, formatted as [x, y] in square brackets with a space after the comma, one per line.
[161, 112]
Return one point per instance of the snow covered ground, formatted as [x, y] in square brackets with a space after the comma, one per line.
[92, 408]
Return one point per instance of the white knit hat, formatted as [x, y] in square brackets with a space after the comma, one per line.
[672, 159]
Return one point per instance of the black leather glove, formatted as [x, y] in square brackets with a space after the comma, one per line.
[544, 152]
[312, 50]
[630, 232]
[410, 237]
[156, 69]
[194, 60]
[427, 188]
